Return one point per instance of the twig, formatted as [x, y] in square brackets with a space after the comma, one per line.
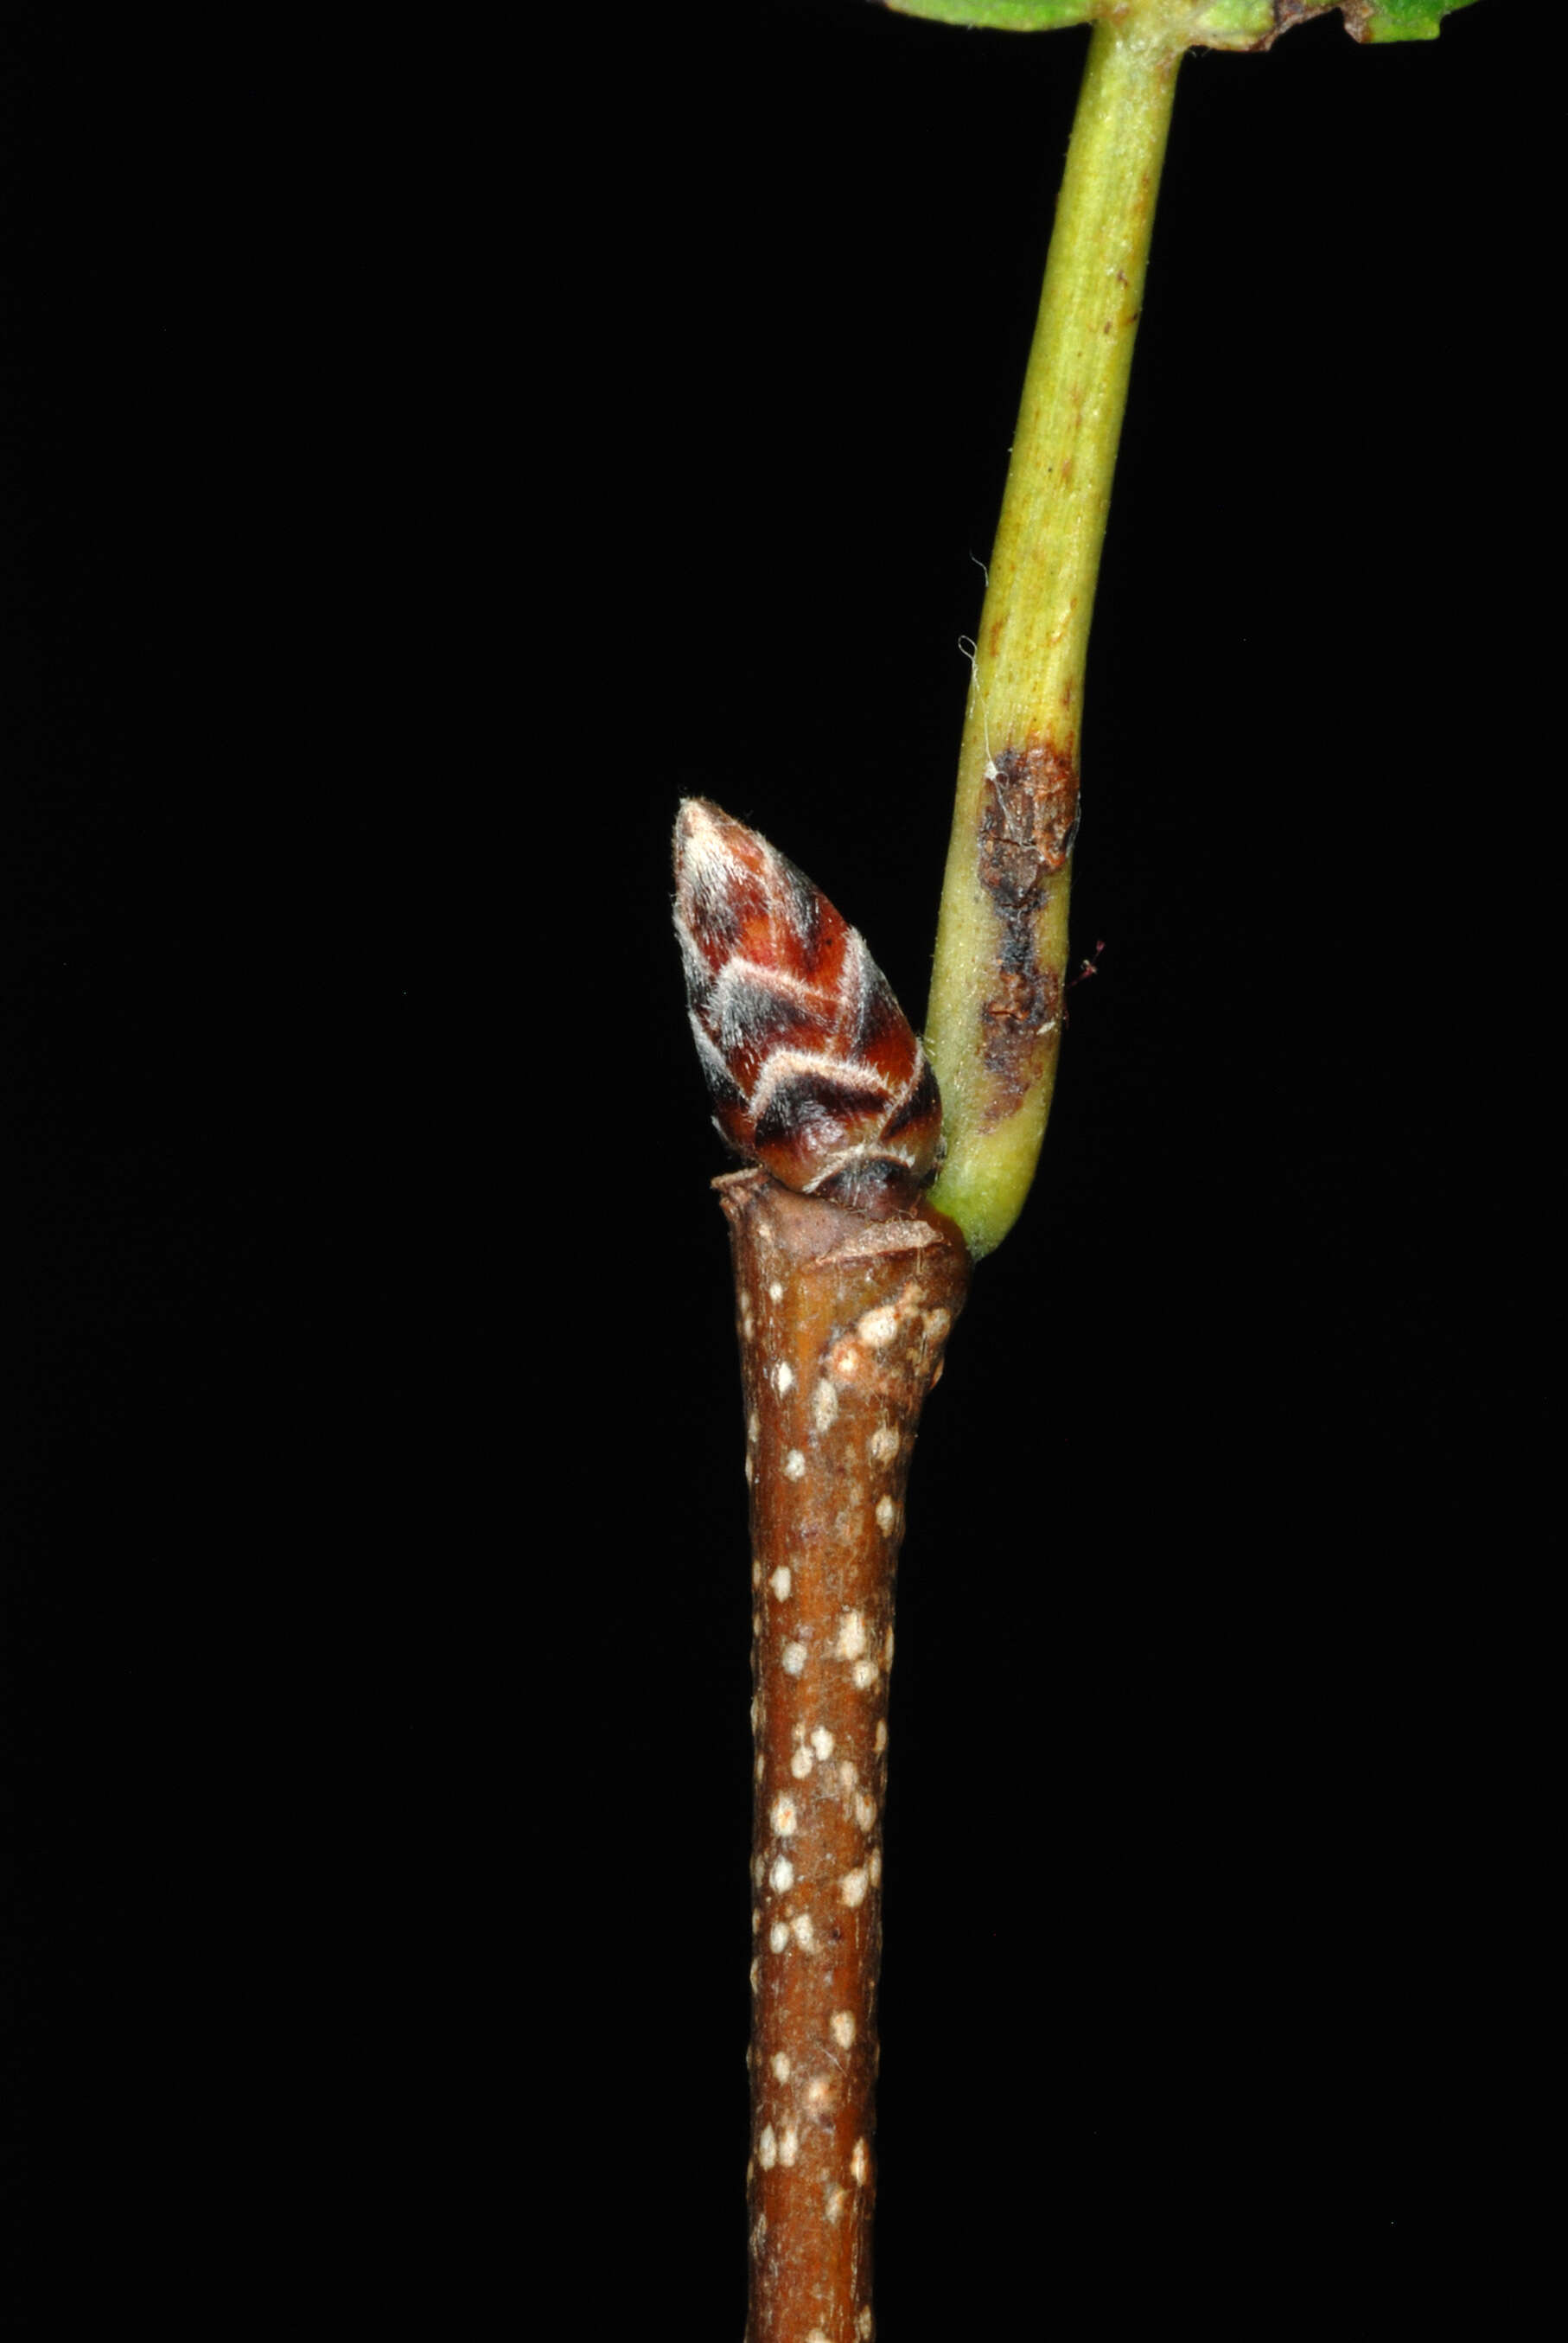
[842, 1325]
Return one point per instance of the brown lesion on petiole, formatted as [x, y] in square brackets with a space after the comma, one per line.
[1028, 823]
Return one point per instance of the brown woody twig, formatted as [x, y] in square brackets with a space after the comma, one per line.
[842, 1324]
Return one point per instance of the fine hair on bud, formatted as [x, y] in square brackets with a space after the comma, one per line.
[812, 1067]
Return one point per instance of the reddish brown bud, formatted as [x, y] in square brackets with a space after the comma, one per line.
[811, 1064]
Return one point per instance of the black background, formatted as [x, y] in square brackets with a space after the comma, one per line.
[423, 461]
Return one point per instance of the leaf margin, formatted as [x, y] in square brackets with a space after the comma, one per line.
[1219, 23]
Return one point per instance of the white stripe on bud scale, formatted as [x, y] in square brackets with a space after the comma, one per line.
[811, 1065]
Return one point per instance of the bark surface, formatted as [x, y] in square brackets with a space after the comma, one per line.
[842, 1324]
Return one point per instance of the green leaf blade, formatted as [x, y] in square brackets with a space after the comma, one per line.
[1406, 20]
[1002, 16]
[1213, 24]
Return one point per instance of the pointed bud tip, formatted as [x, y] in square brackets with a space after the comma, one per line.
[699, 828]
